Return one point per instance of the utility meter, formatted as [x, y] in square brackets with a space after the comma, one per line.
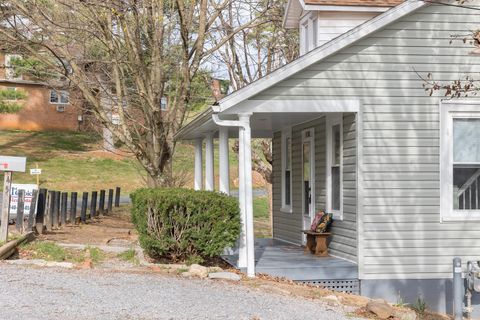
[473, 276]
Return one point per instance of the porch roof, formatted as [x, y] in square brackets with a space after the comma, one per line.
[242, 101]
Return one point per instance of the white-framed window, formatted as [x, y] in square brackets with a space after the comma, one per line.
[286, 171]
[460, 160]
[314, 31]
[163, 103]
[9, 69]
[335, 165]
[59, 97]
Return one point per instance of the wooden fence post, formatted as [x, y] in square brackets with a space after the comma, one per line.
[73, 207]
[83, 210]
[56, 211]
[117, 197]
[20, 209]
[110, 201]
[101, 203]
[63, 208]
[41, 206]
[93, 205]
[33, 210]
[49, 210]
[5, 206]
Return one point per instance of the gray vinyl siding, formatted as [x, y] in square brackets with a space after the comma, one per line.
[288, 226]
[344, 232]
[402, 234]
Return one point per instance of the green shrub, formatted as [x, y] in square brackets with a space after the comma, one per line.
[183, 224]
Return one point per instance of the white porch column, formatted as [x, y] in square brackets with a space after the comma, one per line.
[224, 169]
[198, 164]
[242, 241]
[209, 174]
[245, 144]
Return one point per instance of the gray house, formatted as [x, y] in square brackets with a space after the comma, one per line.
[356, 134]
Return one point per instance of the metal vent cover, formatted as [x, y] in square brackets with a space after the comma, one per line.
[346, 286]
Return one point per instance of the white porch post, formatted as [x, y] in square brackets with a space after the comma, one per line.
[209, 174]
[242, 241]
[198, 164]
[224, 160]
[245, 144]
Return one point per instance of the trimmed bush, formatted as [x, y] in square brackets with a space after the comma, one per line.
[183, 224]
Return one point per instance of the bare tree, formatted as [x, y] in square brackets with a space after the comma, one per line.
[124, 57]
[469, 85]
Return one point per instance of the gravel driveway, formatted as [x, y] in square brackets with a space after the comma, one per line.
[46, 293]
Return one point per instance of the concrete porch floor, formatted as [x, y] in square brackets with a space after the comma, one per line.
[281, 259]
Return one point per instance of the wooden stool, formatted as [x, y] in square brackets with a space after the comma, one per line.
[317, 243]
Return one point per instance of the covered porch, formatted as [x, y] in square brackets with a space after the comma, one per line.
[262, 119]
[281, 259]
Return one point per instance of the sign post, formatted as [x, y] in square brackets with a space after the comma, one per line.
[8, 165]
[36, 172]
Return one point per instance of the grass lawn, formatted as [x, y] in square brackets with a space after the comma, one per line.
[71, 161]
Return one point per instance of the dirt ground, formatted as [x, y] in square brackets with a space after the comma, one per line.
[97, 232]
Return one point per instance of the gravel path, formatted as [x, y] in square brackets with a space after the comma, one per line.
[46, 293]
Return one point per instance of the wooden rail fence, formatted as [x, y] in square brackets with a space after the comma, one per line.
[51, 209]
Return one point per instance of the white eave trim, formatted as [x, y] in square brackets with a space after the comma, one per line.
[318, 7]
[320, 53]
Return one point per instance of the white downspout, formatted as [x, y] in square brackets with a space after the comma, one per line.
[247, 240]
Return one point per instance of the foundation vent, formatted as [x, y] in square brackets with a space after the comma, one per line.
[346, 286]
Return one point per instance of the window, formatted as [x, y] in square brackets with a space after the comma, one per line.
[334, 165]
[12, 94]
[314, 33]
[9, 69]
[163, 103]
[287, 171]
[59, 97]
[460, 161]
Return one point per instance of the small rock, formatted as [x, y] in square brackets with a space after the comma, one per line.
[332, 298]
[405, 314]
[224, 276]
[197, 270]
[67, 265]
[86, 264]
[186, 274]
[381, 308]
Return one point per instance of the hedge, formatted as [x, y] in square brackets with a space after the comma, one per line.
[183, 224]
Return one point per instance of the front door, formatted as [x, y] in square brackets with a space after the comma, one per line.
[308, 178]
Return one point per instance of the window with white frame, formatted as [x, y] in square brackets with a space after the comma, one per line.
[59, 97]
[314, 32]
[287, 171]
[460, 161]
[335, 165]
[163, 103]
[9, 68]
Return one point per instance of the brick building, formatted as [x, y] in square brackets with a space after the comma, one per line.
[43, 108]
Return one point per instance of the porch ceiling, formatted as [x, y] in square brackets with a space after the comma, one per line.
[263, 125]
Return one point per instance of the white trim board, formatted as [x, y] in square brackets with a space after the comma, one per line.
[295, 106]
[320, 53]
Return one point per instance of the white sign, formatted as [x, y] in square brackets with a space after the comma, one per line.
[15, 164]
[28, 197]
[36, 171]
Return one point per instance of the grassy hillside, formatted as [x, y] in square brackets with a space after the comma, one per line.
[70, 161]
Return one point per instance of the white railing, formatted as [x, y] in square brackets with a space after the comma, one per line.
[467, 195]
